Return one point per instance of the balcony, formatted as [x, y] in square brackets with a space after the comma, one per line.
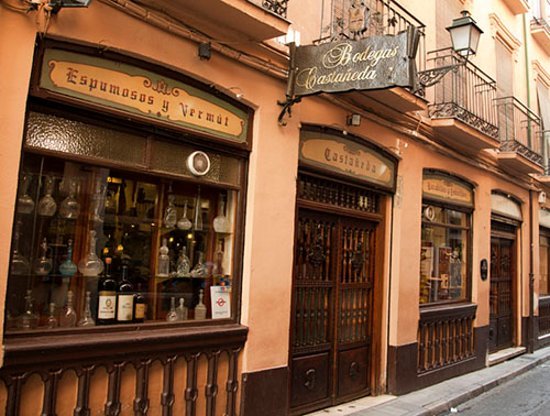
[387, 17]
[520, 137]
[462, 109]
[517, 6]
[231, 20]
[540, 30]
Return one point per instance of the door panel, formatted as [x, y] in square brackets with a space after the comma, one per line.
[310, 379]
[353, 371]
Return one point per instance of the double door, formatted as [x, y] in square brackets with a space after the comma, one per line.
[501, 329]
[332, 311]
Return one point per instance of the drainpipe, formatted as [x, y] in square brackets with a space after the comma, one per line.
[531, 320]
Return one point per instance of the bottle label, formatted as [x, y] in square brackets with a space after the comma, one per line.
[125, 307]
[106, 305]
[140, 311]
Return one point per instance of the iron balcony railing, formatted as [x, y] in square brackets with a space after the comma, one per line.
[381, 17]
[278, 7]
[465, 92]
[519, 129]
[540, 22]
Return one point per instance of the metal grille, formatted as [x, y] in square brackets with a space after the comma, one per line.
[276, 6]
[337, 194]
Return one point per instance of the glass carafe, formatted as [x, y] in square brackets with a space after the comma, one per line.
[47, 205]
[87, 319]
[25, 203]
[172, 315]
[171, 213]
[70, 208]
[184, 223]
[91, 265]
[200, 309]
[68, 316]
[68, 267]
[183, 265]
[43, 265]
[52, 319]
[200, 269]
[28, 320]
[217, 268]
[221, 223]
[98, 201]
[163, 263]
[20, 266]
[181, 310]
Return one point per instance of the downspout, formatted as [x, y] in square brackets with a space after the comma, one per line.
[531, 320]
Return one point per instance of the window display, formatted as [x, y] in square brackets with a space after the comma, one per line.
[97, 245]
[444, 254]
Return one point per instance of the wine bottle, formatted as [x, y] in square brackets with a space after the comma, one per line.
[125, 298]
[139, 306]
[107, 296]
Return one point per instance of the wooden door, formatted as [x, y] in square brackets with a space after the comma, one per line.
[501, 295]
[332, 309]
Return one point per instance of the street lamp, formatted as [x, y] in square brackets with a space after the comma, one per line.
[465, 34]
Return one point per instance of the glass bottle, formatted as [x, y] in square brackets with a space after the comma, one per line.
[47, 205]
[70, 208]
[19, 264]
[200, 309]
[25, 203]
[200, 269]
[52, 320]
[217, 269]
[172, 315]
[140, 307]
[163, 263]
[98, 201]
[28, 320]
[198, 224]
[68, 267]
[171, 213]
[181, 311]
[125, 298]
[91, 264]
[221, 223]
[106, 302]
[87, 319]
[183, 265]
[184, 223]
[43, 265]
[68, 317]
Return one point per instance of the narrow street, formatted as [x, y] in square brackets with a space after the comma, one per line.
[527, 395]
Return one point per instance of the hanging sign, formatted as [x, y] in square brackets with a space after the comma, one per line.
[138, 91]
[371, 63]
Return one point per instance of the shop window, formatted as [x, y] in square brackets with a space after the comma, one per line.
[444, 254]
[110, 230]
[544, 289]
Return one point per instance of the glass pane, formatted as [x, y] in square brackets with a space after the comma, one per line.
[443, 259]
[98, 246]
[544, 266]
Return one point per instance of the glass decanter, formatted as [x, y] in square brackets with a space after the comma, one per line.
[87, 319]
[198, 225]
[183, 222]
[181, 311]
[98, 201]
[25, 203]
[52, 320]
[68, 268]
[91, 264]
[217, 268]
[43, 265]
[171, 213]
[172, 315]
[200, 269]
[200, 309]
[70, 208]
[163, 263]
[28, 320]
[68, 317]
[20, 266]
[183, 265]
[47, 205]
[221, 223]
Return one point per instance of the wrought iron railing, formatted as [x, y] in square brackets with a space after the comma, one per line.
[519, 129]
[445, 337]
[540, 22]
[381, 17]
[276, 6]
[464, 92]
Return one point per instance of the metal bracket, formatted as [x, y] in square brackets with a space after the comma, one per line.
[287, 108]
[432, 76]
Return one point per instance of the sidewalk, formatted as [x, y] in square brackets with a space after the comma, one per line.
[439, 398]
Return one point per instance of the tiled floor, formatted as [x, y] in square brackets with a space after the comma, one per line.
[354, 406]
